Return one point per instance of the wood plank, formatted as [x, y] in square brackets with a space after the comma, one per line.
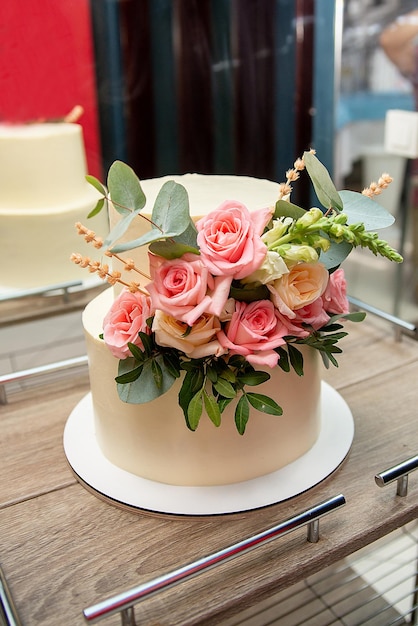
[31, 451]
[62, 551]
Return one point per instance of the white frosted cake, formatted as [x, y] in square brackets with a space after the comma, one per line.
[43, 194]
[151, 440]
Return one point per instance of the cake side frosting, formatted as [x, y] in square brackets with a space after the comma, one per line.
[44, 192]
[42, 166]
[151, 440]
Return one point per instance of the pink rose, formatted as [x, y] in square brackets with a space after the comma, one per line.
[335, 295]
[125, 319]
[229, 239]
[254, 330]
[198, 342]
[312, 314]
[184, 288]
[301, 286]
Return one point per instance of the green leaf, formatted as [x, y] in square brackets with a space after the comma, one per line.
[144, 388]
[283, 362]
[249, 292]
[171, 249]
[157, 373]
[359, 208]
[192, 382]
[96, 184]
[172, 362]
[130, 376]
[223, 403]
[242, 413]
[125, 188]
[321, 180]
[296, 359]
[97, 208]
[264, 404]
[136, 352]
[147, 342]
[254, 378]
[224, 388]
[212, 408]
[194, 410]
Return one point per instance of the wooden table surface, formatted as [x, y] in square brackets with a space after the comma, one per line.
[63, 550]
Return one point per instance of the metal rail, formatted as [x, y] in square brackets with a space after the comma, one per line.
[124, 602]
[399, 473]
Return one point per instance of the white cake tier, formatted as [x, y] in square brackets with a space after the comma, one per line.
[43, 194]
[152, 441]
[42, 166]
[35, 247]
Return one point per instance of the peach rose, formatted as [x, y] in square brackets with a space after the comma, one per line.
[199, 342]
[301, 286]
[125, 319]
[254, 331]
[229, 239]
[184, 289]
[335, 295]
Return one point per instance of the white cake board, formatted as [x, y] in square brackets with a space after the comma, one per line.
[120, 487]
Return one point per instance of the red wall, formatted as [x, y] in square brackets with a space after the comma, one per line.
[47, 66]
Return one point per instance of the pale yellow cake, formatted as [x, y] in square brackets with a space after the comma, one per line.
[152, 440]
[43, 193]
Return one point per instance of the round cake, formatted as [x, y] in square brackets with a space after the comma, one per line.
[152, 440]
[43, 194]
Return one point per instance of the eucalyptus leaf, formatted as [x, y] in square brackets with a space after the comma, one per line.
[321, 180]
[359, 208]
[125, 188]
[336, 254]
[170, 218]
[99, 206]
[119, 230]
[96, 184]
[171, 249]
[288, 209]
[144, 389]
[171, 209]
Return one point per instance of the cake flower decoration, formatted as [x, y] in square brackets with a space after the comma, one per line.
[233, 296]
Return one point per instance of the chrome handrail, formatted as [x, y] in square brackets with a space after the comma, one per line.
[49, 368]
[399, 473]
[124, 602]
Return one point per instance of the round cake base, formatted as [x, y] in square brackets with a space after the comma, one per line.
[122, 488]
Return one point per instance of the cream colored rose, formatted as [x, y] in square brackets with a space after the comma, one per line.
[301, 286]
[197, 342]
[272, 268]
